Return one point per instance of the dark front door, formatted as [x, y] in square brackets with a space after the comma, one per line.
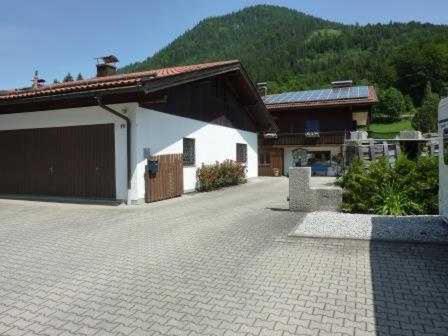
[270, 162]
[65, 161]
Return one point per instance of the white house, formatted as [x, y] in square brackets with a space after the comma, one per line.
[443, 158]
[92, 138]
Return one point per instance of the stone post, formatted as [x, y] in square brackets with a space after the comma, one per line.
[299, 189]
[305, 198]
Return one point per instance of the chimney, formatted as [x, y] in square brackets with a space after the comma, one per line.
[341, 84]
[106, 66]
[262, 88]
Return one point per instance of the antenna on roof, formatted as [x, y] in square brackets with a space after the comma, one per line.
[106, 65]
[37, 82]
[111, 59]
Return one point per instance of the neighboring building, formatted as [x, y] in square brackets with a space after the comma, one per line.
[443, 158]
[313, 126]
[92, 138]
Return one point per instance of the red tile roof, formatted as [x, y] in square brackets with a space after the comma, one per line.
[370, 100]
[114, 81]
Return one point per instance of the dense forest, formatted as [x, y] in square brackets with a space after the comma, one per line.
[294, 51]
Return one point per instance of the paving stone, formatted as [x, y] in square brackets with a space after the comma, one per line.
[50, 331]
[14, 332]
[123, 330]
[219, 263]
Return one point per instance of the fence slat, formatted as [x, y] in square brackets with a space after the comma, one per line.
[168, 181]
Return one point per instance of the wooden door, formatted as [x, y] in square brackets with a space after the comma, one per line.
[11, 162]
[277, 160]
[271, 159]
[168, 181]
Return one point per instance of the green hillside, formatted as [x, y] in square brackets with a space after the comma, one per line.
[295, 51]
[265, 38]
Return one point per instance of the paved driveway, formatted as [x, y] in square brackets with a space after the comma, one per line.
[209, 264]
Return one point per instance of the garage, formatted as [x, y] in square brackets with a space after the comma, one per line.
[76, 161]
[92, 138]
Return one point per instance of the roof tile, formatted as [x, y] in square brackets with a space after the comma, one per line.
[109, 81]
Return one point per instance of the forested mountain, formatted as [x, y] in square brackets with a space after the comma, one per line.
[294, 51]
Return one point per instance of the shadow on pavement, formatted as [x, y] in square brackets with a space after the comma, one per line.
[279, 209]
[410, 288]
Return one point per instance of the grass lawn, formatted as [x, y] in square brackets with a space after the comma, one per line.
[389, 130]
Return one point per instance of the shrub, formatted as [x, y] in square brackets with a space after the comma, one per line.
[357, 189]
[219, 175]
[391, 106]
[425, 119]
[395, 201]
[425, 184]
[404, 188]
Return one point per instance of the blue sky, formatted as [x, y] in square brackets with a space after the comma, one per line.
[57, 36]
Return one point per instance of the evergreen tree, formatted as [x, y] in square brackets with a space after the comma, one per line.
[55, 81]
[425, 119]
[79, 77]
[67, 78]
[418, 63]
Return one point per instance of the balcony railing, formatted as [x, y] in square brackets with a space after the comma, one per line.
[321, 138]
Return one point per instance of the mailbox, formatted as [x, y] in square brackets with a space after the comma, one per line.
[153, 166]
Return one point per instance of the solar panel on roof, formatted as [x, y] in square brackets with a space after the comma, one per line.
[318, 95]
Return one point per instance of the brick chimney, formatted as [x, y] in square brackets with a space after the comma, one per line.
[341, 84]
[106, 66]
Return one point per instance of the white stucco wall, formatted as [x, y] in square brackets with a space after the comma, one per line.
[163, 133]
[443, 168]
[160, 132]
[288, 159]
[79, 117]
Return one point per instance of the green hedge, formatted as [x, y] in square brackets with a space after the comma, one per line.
[375, 135]
[219, 175]
[406, 187]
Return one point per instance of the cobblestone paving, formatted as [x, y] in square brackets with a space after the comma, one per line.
[210, 264]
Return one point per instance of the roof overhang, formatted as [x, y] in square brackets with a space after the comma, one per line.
[136, 91]
[321, 105]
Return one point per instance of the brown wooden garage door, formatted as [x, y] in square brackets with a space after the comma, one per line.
[65, 161]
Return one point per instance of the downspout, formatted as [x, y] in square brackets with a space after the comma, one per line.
[128, 139]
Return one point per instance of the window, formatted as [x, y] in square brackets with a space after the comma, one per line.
[189, 152]
[241, 153]
[312, 126]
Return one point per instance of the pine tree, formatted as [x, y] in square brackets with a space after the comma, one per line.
[79, 77]
[67, 78]
[55, 81]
